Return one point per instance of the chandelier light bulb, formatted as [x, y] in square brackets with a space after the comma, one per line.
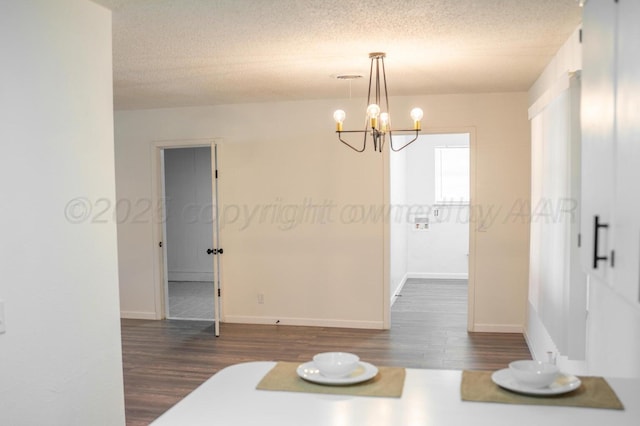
[339, 115]
[384, 121]
[416, 115]
[373, 111]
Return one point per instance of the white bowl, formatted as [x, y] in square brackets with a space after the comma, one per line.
[336, 364]
[535, 374]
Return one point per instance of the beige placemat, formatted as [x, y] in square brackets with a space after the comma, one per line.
[594, 392]
[389, 382]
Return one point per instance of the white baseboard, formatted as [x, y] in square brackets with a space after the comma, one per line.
[189, 276]
[396, 292]
[537, 337]
[138, 315]
[310, 322]
[439, 275]
[497, 328]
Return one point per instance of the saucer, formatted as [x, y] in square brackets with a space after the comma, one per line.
[564, 383]
[365, 371]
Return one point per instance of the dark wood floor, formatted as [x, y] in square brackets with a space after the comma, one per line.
[165, 360]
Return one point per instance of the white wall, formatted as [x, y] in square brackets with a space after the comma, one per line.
[60, 358]
[325, 270]
[442, 250]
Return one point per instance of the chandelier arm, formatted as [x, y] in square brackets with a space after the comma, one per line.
[405, 145]
[386, 92]
[376, 138]
[370, 77]
[379, 139]
[364, 145]
[378, 81]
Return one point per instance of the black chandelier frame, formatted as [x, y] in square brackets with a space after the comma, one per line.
[378, 136]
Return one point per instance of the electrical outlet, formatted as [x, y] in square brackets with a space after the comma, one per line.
[421, 223]
[260, 299]
[3, 328]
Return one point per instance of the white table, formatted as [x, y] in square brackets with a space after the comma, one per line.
[430, 398]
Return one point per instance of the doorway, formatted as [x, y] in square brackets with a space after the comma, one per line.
[188, 233]
[430, 190]
[188, 264]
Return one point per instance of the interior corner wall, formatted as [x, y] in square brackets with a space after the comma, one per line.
[60, 357]
[301, 219]
[567, 59]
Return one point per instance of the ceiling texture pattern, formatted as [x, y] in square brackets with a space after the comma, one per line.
[173, 53]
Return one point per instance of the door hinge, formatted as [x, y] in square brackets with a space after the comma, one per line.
[216, 174]
[580, 35]
[160, 244]
[579, 240]
[613, 258]
[219, 293]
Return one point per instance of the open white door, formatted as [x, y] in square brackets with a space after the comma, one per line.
[217, 249]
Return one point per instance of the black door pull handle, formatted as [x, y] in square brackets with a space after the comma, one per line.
[596, 230]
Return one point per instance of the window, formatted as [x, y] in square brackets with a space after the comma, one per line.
[452, 174]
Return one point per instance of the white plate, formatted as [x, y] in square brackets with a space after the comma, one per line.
[563, 384]
[362, 373]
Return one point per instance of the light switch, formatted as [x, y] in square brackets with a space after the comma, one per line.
[2, 325]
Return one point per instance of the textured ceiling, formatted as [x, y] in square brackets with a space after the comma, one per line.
[169, 53]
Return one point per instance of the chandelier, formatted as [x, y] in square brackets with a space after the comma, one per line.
[378, 121]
